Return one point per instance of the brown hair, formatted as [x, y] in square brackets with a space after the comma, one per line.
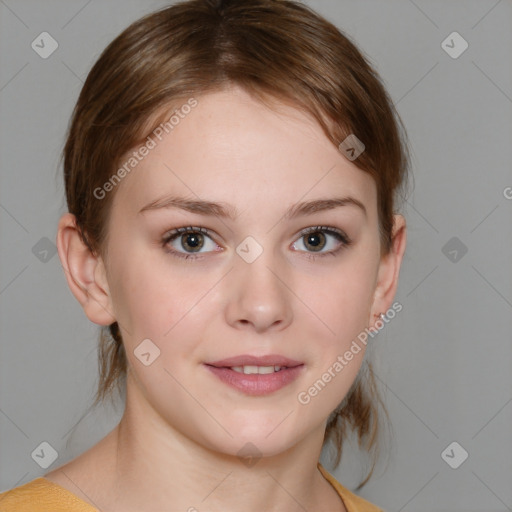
[274, 49]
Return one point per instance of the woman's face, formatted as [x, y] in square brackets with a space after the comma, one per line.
[251, 283]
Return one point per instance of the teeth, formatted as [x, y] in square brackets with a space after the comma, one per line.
[256, 369]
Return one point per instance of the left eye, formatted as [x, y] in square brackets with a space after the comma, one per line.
[317, 238]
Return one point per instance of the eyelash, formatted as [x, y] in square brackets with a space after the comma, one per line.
[337, 233]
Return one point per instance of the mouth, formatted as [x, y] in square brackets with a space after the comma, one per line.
[257, 375]
[274, 361]
[260, 370]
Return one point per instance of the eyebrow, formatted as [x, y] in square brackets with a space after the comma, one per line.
[227, 211]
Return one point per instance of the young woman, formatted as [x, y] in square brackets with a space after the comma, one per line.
[231, 173]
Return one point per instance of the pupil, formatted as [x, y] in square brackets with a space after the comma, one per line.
[312, 237]
[195, 244]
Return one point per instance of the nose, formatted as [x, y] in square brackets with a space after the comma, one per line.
[258, 295]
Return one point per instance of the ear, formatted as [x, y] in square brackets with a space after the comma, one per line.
[389, 268]
[85, 272]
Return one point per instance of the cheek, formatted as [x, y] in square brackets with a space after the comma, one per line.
[342, 308]
[151, 297]
[342, 298]
[157, 300]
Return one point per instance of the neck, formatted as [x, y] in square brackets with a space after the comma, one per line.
[156, 467]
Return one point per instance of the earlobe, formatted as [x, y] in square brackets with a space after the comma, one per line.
[85, 272]
[389, 269]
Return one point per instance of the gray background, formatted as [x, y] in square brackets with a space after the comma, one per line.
[443, 363]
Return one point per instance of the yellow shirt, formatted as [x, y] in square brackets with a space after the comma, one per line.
[41, 495]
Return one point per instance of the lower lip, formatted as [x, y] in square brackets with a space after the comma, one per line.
[257, 384]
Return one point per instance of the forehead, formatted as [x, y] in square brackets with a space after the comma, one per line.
[232, 148]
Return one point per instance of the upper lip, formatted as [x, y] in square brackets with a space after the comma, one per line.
[248, 360]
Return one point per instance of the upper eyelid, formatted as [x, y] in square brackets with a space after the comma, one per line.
[209, 232]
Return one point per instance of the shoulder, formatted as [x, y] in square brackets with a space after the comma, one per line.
[352, 502]
[41, 495]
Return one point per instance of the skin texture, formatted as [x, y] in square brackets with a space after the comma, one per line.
[182, 428]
